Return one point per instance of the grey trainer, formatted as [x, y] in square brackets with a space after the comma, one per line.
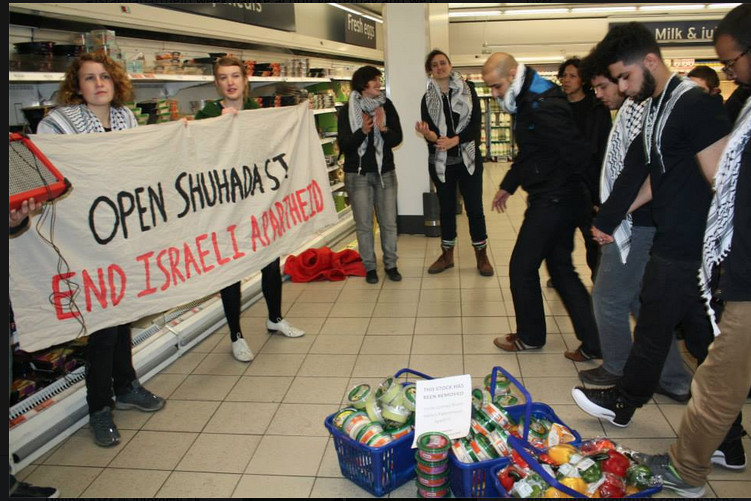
[103, 427]
[660, 465]
[139, 398]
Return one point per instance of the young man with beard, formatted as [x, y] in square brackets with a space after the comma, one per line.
[551, 152]
[619, 275]
[723, 380]
[682, 153]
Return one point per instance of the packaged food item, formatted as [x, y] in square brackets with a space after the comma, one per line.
[640, 476]
[367, 433]
[499, 416]
[354, 423]
[502, 384]
[613, 486]
[561, 454]
[388, 390]
[399, 432]
[380, 440]
[359, 396]
[430, 467]
[374, 412]
[614, 462]
[433, 447]
[433, 480]
[443, 491]
[531, 486]
[341, 416]
[395, 414]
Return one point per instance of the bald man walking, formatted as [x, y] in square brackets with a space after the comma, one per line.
[551, 153]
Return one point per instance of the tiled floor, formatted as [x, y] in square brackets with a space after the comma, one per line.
[238, 430]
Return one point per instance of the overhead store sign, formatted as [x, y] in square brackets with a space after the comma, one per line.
[675, 33]
[163, 215]
[359, 31]
[280, 16]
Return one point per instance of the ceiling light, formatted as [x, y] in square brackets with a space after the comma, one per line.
[353, 11]
[476, 13]
[723, 5]
[603, 9]
[668, 8]
[539, 59]
[522, 12]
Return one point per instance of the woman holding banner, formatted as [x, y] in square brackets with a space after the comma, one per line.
[92, 95]
[231, 79]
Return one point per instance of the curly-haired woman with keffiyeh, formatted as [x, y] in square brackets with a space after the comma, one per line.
[368, 130]
[451, 117]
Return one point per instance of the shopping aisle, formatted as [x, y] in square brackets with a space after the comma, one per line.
[237, 430]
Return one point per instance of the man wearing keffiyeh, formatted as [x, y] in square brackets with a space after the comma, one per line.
[683, 154]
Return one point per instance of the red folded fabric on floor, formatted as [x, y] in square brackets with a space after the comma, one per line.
[324, 264]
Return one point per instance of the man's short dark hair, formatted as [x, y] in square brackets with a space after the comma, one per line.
[363, 76]
[737, 24]
[628, 43]
[707, 74]
[592, 67]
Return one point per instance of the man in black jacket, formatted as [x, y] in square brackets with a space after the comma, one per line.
[551, 153]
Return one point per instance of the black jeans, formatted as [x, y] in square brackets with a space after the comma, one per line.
[592, 247]
[109, 364]
[670, 298]
[471, 190]
[547, 233]
[271, 286]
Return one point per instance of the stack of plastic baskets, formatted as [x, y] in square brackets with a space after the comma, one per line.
[528, 454]
[475, 480]
[377, 470]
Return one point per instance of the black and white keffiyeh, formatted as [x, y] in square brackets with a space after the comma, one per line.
[508, 102]
[461, 102]
[626, 128]
[718, 235]
[359, 104]
[79, 119]
[655, 120]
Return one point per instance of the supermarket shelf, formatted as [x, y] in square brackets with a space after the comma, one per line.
[341, 79]
[337, 187]
[327, 140]
[339, 104]
[345, 213]
[323, 111]
[335, 167]
[32, 76]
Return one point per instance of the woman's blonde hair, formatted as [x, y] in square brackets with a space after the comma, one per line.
[70, 88]
[233, 61]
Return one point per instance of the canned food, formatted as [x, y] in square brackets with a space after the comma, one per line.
[403, 431]
[341, 416]
[506, 400]
[443, 491]
[374, 411]
[396, 414]
[481, 428]
[359, 396]
[380, 440]
[355, 423]
[388, 390]
[410, 397]
[499, 440]
[482, 448]
[433, 447]
[368, 432]
[499, 416]
[430, 468]
[502, 384]
[460, 451]
[432, 480]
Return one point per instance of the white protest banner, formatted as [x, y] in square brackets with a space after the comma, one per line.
[163, 215]
[443, 405]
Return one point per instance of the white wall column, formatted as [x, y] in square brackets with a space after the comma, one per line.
[405, 47]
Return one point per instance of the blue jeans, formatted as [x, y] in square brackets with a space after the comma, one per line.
[615, 295]
[365, 193]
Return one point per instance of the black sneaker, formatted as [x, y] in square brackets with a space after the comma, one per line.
[139, 398]
[372, 277]
[394, 274]
[605, 404]
[599, 376]
[730, 455]
[24, 490]
[103, 427]
[681, 398]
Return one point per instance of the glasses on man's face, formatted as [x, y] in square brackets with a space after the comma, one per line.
[729, 64]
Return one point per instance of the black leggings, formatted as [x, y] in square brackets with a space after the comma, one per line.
[271, 286]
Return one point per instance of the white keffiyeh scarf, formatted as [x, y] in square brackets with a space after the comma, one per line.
[508, 102]
[627, 127]
[359, 104]
[79, 119]
[461, 102]
[718, 235]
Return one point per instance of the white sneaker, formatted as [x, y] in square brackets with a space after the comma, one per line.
[284, 327]
[241, 350]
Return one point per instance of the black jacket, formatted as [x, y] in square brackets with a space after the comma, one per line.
[349, 142]
[470, 133]
[552, 151]
[597, 125]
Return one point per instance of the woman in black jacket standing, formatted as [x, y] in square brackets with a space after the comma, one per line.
[368, 130]
[451, 117]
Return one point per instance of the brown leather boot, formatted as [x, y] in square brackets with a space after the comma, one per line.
[444, 262]
[483, 263]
